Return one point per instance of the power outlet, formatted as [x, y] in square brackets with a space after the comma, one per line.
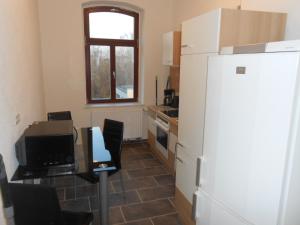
[18, 118]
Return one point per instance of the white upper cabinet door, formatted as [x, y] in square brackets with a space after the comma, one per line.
[168, 42]
[201, 34]
[193, 72]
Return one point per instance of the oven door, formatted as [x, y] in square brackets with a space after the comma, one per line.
[162, 139]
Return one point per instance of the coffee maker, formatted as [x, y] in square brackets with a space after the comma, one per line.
[169, 96]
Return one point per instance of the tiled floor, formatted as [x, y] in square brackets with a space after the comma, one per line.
[149, 191]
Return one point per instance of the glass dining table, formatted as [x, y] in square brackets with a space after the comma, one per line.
[91, 157]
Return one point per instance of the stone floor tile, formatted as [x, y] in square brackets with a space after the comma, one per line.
[166, 220]
[147, 172]
[157, 193]
[147, 209]
[165, 179]
[142, 182]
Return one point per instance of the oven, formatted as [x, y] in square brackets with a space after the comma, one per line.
[162, 135]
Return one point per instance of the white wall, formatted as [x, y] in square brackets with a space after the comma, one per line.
[20, 73]
[62, 35]
[185, 9]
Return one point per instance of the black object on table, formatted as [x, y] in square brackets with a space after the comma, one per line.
[62, 115]
[91, 156]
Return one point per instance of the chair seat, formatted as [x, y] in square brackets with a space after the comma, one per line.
[76, 218]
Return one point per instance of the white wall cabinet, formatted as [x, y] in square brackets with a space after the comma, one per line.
[201, 34]
[226, 27]
[168, 49]
[192, 86]
[151, 125]
[171, 48]
[186, 166]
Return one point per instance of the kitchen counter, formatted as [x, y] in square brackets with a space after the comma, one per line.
[159, 109]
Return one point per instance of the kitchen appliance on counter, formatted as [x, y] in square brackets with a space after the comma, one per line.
[171, 113]
[175, 103]
[169, 97]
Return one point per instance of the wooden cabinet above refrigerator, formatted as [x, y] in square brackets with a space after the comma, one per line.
[211, 31]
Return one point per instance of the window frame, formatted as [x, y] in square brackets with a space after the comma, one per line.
[113, 43]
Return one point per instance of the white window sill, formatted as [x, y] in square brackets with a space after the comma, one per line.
[113, 105]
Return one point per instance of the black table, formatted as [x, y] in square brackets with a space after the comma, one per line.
[90, 157]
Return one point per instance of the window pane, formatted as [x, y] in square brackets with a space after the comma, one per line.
[100, 72]
[124, 72]
[110, 25]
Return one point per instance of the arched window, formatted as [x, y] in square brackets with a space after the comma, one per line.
[111, 53]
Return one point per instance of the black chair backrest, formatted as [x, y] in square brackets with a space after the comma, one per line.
[64, 115]
[113, 138]
[35, 205]
[4, 187]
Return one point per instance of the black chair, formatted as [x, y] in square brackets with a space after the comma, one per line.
[38, 204]
[63, 115]
[35, 204]
[113, 139]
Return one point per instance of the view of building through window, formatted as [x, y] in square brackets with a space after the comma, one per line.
[100, 72]
[124, 72]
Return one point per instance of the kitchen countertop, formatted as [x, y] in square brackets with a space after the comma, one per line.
[159, 109]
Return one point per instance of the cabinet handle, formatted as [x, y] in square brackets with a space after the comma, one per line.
[198, 172]
[179, 159]
[187, 46]
[176, 153]
[181, 145]
[176, 149]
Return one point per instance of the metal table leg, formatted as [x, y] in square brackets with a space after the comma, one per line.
[103, 198]
[9, 215]
[28, 181]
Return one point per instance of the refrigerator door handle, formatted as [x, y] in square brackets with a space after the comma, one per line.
[194, 207]
[198, 172]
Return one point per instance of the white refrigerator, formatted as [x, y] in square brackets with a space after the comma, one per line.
[250, 168]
